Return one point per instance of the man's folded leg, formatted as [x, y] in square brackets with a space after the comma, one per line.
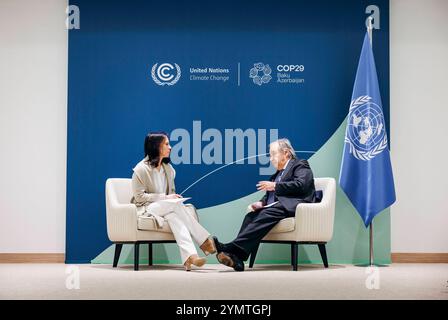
[249, 237]
[254, 228]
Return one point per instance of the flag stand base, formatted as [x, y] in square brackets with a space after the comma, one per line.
[371, 263]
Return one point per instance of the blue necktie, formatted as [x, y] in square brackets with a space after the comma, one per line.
[271, 194]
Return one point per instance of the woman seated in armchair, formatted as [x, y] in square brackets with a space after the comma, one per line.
[152, 183]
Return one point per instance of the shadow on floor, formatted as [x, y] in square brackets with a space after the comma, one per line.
[214, 268]
[300, 267]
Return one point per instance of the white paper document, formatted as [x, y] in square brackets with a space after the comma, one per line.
[269, 205]
[177, 200]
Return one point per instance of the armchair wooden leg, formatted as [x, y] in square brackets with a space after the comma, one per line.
[118, 247]
[253, 256]
[150, 254]
[136, 255]
[323, 253]
[294, 254]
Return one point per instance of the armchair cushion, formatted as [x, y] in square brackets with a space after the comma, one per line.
[149, 224]
[285, 225]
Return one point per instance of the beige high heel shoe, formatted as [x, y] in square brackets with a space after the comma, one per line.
[194, 259]
[208, 247]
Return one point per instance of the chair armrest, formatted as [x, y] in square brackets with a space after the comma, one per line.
[314, 221]
[121, 222]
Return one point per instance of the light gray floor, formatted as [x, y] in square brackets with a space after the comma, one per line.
[49, 281]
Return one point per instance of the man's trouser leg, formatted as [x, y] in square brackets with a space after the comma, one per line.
[254, 228]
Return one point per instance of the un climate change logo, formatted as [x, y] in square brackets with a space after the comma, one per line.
[366, 129]
[165, 74]
[264, 70]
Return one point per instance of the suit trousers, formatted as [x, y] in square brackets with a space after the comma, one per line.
[184, 226]
[255, 226]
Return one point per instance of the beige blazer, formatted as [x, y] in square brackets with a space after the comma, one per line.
[143, 186]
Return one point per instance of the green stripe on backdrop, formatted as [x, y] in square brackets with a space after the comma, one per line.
[350, 243]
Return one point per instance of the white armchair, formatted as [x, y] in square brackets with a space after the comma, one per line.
[312, 224]
[124, 226]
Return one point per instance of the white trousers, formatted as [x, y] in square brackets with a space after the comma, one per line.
[184, 226]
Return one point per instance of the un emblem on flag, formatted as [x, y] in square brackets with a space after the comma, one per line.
[365, 132]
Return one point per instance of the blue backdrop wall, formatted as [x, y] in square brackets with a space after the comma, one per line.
[200, 71]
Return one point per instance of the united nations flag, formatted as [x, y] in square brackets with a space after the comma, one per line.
[366, 172]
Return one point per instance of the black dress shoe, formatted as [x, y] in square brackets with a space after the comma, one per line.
[230, 260]
[219, 246]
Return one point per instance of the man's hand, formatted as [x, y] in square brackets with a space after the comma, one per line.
[257, 205]
[173, 196]
[266, 186]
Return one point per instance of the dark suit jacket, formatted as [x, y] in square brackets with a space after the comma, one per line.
[295, 186]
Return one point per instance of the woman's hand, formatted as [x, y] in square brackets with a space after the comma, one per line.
[173, 196]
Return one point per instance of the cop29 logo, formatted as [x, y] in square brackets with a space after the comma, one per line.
[165, 74]
[260, 73]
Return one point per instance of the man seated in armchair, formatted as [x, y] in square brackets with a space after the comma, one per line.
[293, 183]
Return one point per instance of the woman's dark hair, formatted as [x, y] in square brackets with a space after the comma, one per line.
[153, 141]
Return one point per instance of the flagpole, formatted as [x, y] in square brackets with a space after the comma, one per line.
[370, 32]
[344, 178]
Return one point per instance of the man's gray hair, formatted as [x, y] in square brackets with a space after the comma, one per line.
[285, 145]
